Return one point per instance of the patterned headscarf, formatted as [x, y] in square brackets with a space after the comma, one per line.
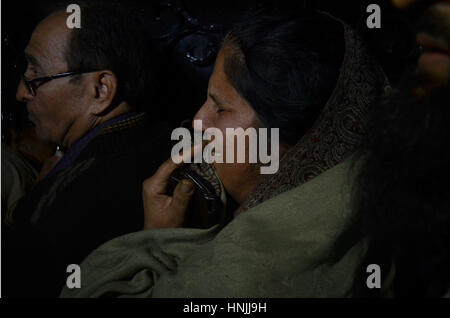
[337, 131]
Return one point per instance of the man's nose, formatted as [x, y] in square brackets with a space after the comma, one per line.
[22, 94]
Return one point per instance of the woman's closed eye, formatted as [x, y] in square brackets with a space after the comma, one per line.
[220, 110]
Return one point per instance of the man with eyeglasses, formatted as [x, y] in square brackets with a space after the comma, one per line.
[86, 91]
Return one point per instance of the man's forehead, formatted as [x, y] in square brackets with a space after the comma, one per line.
[49, 41]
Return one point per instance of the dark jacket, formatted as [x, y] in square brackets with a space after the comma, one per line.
[87, 200]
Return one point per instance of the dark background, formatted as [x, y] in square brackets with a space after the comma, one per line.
[189, 32]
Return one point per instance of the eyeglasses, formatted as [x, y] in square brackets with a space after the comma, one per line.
[33, 84]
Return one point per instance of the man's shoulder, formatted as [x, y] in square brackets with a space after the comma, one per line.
[108, 179]
[144, 136]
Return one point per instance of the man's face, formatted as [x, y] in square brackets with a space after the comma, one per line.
[58, 103]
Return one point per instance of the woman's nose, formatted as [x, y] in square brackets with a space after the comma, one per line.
[203, 114]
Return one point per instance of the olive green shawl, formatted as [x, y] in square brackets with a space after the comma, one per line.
[288, 246]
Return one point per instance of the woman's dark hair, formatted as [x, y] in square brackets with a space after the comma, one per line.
[114, 37]
[285, 67]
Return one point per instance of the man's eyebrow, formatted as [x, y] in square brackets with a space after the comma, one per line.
[32, 60]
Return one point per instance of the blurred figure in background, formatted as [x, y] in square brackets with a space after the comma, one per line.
[402, 192]
[18, 176]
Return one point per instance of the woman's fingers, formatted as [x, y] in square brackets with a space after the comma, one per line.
[161, 210]
[158, 182]
[180, 201]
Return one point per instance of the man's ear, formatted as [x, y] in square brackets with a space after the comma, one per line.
[105, 91]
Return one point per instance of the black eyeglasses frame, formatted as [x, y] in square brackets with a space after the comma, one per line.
[33, 84]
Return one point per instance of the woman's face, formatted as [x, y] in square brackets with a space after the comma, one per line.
[224, 108]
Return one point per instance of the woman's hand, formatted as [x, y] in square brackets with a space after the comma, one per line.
[161, 210]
